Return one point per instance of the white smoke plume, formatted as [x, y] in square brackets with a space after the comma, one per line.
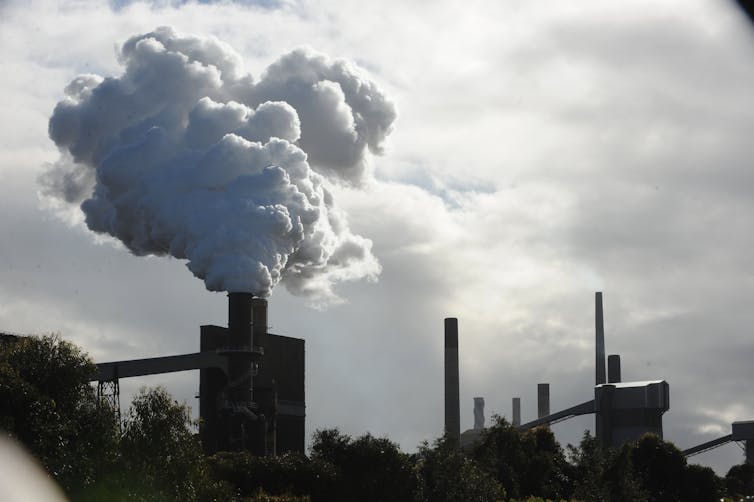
[186, 155]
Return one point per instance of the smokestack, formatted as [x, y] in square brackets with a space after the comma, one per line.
[613, 368]
[240, 342]
[600, 341]
[452, 392]
[516, 411]
[543, 399]
[478, 413]
[259, 317]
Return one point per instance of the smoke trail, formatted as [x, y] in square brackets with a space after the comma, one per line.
[184, 154]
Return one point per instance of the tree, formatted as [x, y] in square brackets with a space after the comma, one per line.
[650, 469]
[524, 463]
[739, 482]
[660, 466]
[447, 475]
[589, 465]
[620, 479]
[288, 474]
[547, 473]
[47, 403]
[501, 452]
[701, 484]
[368, 469]
[160, 458]
[604, 474]
[160, 455]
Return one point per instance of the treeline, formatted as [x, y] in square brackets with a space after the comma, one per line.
[48, 405]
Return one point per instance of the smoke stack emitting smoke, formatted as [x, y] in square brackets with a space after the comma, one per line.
[184, 155]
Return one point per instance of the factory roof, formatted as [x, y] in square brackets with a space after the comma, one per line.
[642, 383]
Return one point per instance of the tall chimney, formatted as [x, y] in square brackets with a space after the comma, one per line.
[452, 392]
[543, 399]
[516, 411]
[240, 342]
[259, 317]
[600, 341]
[613, 368]
[478, 413]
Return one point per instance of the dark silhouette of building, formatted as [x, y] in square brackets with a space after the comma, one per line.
[251, 382]
[624, 411]
[741, 432]
[267, 413]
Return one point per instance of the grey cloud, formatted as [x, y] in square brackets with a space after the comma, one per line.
[198, 51]
[67, 180]
[209, 121]
[342, 114]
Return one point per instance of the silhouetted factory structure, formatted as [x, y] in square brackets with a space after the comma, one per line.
[624, 411]
[251, 389]
[251, 382]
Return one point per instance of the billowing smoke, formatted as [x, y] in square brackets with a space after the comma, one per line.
[186, 155]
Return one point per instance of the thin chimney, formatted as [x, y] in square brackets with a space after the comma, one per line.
[600, 341]
[516, 411]
[452, 391]
[613, 368]
[543, 399]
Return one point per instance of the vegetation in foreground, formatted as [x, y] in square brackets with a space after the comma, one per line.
[48, 405]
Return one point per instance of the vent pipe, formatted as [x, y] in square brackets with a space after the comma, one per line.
[452, 391]
[613, 368]
[516, 411]
[543, 399]
[600, 341]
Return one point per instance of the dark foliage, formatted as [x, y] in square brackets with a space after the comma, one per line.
[660, 466]
[621, 481]
[159, 449]
[739, 482]
[47, 403]
[531, 463]
[650, 469]
[159, 457]
[447, 475]
[603, 475]
[701, 484]
[288, 474]
[368, 469]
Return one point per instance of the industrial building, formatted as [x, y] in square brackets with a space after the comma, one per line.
[252, 397]
[251, 382]
[624, 411]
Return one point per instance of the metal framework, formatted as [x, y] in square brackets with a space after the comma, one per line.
[585, 408]
[109, 374]
[108, 393]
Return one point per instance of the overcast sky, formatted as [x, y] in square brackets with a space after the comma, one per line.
[543, 151]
